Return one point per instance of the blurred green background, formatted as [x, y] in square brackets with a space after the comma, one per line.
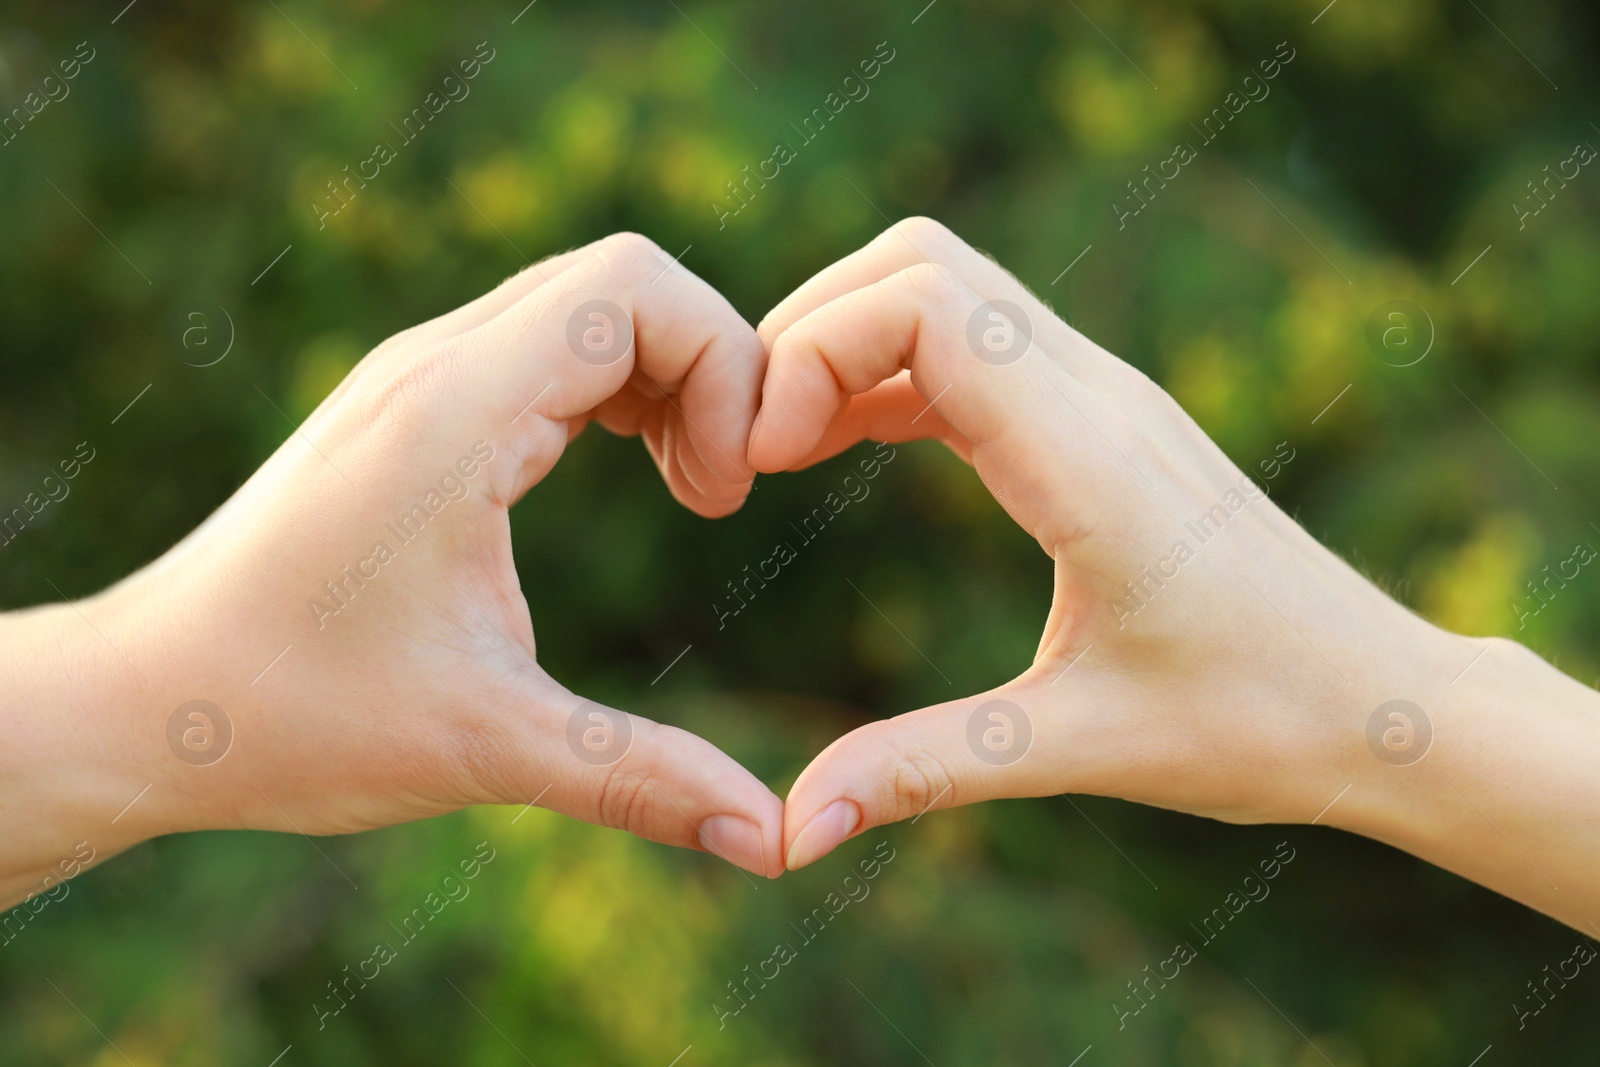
[1388, 155]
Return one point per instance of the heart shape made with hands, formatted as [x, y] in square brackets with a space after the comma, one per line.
[439, 699]
[619, 334]
[844, 367]
[919, 336]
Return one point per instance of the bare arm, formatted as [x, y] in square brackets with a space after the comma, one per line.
[345, 644]
[1203, 652]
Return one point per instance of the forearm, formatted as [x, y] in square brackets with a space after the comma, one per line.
[1508, 793]
[66, 776]
[1474, 754]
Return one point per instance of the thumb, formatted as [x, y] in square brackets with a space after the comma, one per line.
[997, 744]
[606, 766]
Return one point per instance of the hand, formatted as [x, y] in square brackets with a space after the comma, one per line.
[1202, 652]
[375, 546]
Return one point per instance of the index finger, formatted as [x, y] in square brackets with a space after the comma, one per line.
[1036, 454]
[571, 343]
[918, 240]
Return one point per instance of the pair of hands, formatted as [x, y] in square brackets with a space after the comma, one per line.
[1235, 681]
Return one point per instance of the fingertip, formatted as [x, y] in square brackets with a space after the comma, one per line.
[708, 508]
[763, 454]
[782, 441]
[666, 784]
[747, 827]
[770, 822]
[707, 498]
[824, 832]
[737, 840]
[755, 436]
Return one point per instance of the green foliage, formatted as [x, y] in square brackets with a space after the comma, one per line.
[1385, 158]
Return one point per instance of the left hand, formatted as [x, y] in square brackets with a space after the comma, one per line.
[355, 613]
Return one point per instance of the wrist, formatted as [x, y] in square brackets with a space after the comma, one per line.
[1352, 682]
[1388, 745]
[1493, 797]
[71, 784]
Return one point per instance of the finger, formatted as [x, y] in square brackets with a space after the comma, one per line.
[456, 321]
[887, 413]
[966, 751]
[699, 356]
[1041, 441]
[892, 412]
[889, 253]
[571, 343]
[686, 472]
[631, 412]
[605, 766]
[923, 240]
[381, 361]
[497, 300]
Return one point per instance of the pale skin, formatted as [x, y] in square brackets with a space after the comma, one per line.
[424, 694]
[1241, 688]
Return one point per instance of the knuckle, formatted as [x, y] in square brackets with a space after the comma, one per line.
[915, 782]
[934, 282]
[482, 754]
[928, 235]
[415, 386]
[398, 341]
[626, 799]
[627, 251]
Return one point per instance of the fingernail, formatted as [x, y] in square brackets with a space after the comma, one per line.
[825, 832]
[755, 428]
[736, 840]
